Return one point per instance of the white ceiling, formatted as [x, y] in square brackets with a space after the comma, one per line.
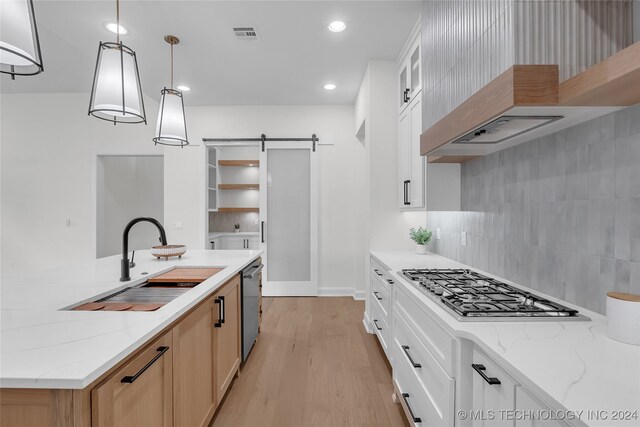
[294, 57]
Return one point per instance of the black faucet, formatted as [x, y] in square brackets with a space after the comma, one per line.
[124, 264]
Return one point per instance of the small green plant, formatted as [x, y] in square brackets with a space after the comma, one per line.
[237, 226]
[421, 236]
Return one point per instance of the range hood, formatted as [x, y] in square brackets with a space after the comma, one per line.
[527, 102]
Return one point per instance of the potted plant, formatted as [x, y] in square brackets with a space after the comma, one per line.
[422, 237]
[236, 228]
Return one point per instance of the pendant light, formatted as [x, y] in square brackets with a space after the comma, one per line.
[172, 125]
[19, 43]
[116, 95]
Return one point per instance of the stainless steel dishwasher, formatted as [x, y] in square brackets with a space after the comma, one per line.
[250, 293]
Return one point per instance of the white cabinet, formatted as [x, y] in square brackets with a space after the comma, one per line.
[411, 165]
[239, 242]
[528, 406]
[214, 243]
[410, 73]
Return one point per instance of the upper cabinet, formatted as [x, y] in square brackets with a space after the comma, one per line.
[409, 74]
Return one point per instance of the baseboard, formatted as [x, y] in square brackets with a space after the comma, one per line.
[341, 292]
[367, 323]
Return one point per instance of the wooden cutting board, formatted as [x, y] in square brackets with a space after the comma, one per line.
[185, 275]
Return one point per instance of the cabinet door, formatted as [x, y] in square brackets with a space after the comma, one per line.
[194, 390]
[528, 403]
[403, 82]
[232, 242]
[254, 243]
[415, 67]
[416, 161]
[404, 166]
[227, 335]
[493, 391]
[139, 393]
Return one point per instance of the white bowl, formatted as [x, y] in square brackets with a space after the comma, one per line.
[167, 251]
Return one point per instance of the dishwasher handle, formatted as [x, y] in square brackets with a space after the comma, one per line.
[253, 273]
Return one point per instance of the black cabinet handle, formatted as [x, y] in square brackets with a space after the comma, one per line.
[375, 322]
[405, 396]
[405, 348]
[391, 282]
[220, 302]
[405, 95]
[378, 297]
[262, 232]
[131, 378]
[377, 272]
[480, 369]
[406, 192]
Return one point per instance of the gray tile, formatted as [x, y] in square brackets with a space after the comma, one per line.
[634, 114]
[634, 285]
[607, 279]
[607, 228]
[576, 173]
[622, 122]
[582, 226]
[622, 241]
[634, 227]
[593, 227]
[577, 136]
[622, 167]
[634, 165]
[622, 282]
[588, 294]
[570, 275]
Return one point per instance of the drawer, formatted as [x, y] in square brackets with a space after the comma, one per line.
[417, 404]
[380, 295]
[380, 327]
[380, 272]
[435, 338]
[411, 355]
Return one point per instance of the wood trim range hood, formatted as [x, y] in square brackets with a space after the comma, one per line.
[527, 101]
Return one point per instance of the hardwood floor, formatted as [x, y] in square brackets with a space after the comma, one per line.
[313, 365]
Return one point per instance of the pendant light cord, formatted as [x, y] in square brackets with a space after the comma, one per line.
[118, 21]
[171, 65]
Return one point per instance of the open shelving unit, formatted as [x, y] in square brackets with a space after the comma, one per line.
[240, 177]
[212, 180]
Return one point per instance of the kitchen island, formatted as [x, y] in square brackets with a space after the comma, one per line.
[46, 346]
[571, 368]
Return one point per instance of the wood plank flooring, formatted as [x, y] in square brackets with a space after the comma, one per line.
[313, 365]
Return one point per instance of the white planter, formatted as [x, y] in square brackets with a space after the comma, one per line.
[421, 249]
[236, 230]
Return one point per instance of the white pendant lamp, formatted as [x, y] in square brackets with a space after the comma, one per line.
[172, 125]
[116, 95]
[19, 44]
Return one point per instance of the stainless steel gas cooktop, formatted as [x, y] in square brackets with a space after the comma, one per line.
[471, 296]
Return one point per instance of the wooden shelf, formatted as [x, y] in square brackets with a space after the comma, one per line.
[239, 186]
[212, 189]
[212, 166]
[611, 82]
[239, 162]
[238, 209]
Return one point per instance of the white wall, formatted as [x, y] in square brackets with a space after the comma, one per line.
[48, 176]
[128, 187]
[341, 182]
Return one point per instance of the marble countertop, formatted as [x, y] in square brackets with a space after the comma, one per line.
[572, 362]
[44, 346]
[215, 234]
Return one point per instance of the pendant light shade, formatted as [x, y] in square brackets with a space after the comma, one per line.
[19, 44]
[172, 125]
[116, 94]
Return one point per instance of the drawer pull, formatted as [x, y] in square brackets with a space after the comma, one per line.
[375, 322]
[378, 297]
[391, 282]
[405, 396]
[375, 270]
[131, 378]
[480, 369]
[405, 348]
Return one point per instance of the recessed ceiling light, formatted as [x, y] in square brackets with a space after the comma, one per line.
[329, 86]
[183, 88]
[337, 26]
[116, 29]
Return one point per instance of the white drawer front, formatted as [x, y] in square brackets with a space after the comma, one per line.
[416, 403]
[435, 338]
[414, 357]
[528, 403]
[380, 327]
[381, 295]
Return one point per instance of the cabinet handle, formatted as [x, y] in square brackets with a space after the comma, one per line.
[377, 272]
[131, 378]
[405, 95]
[405, 348]
[262, 232]
[377, 296]
[405, 397]
[406, 192]
[391, 282]
[375, 322]
[220, 302]
[480, 369]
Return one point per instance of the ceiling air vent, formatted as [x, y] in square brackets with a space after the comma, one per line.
[245, 33]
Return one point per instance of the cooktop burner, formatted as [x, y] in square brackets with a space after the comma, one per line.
[472, 296]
